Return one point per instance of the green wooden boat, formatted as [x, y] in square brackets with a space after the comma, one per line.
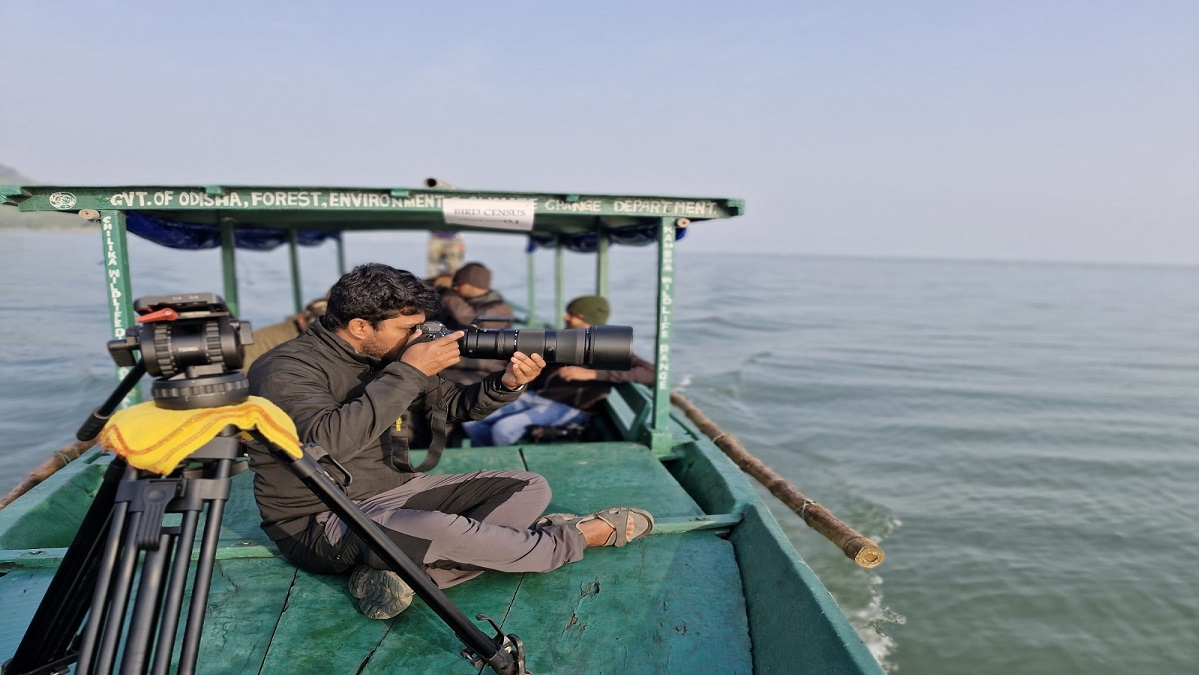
[716, 588]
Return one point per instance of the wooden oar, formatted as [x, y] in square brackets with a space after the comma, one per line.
[58, 460]
[857, 546]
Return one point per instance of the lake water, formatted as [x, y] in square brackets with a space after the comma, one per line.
[1022, 439]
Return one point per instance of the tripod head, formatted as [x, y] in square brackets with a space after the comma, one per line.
[192, 344]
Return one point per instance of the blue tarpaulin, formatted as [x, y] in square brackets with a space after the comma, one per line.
[192, 236]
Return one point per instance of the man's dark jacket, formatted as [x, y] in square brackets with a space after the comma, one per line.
[585, 394]
[348, 404]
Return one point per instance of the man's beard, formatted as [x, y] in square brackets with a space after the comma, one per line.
[375, 347]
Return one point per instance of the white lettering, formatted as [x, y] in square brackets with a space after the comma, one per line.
[585, 206]
[665, 208]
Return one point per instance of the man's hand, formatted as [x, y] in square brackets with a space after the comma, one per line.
[433, 357]
[522, 369]
[576, 373]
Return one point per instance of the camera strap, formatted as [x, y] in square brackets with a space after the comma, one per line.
[398, 458]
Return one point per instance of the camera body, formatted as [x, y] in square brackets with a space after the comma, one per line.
[432, 330]
[599, 347]
[193, 345]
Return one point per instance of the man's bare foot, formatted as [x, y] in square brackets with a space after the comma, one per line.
[597, 531]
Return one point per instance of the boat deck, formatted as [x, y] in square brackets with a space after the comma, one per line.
[673, 599]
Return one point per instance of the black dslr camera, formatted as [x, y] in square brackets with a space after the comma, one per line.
[192, 344]
[599, 347]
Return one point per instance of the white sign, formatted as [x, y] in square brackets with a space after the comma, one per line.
[509, 214]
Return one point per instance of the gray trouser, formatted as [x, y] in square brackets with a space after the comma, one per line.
[458, 525]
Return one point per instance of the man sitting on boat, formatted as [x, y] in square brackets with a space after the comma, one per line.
[470, 300]
[345, 383]
[561, 395]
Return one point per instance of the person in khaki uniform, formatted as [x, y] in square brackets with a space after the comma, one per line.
[269, 337]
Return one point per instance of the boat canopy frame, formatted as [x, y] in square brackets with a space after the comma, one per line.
[265, 217]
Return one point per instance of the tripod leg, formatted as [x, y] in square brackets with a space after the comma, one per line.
[174, 592]
[203, 580]
[60, 614]
[109, 612]
[492, 652]
[146, 608]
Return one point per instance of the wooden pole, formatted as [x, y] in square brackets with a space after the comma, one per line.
[863, 550]
[58, 460]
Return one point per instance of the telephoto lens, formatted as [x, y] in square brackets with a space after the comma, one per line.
[599, 347]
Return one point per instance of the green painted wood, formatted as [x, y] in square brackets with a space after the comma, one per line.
[420, 642]
[238, 623]
[49, 514]
[115, 242]
[34, 558]
[244, 603]
[229, 265]
[602, 243]
[464, 460]
[630, 406]
[350, 208]
[624, 405]
[531, 288]
[795, 622]
[659, 433]
[706, 472]
[21, 592]
[667, 604]
[559, 285]
[593, 476]
[319, 631]
[30, 558]
[293, 257]
[240, 523]
[794, 618]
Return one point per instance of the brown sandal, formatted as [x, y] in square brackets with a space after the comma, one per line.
[618, 518]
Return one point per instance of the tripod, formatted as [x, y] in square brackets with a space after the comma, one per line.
[125, 556]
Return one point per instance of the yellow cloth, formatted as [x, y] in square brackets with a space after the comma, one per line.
[157, 439]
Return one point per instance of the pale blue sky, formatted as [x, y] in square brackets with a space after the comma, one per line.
[998, 130]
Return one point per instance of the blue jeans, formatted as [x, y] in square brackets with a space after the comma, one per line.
[506, 425]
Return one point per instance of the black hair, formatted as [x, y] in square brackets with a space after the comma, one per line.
[376, 292]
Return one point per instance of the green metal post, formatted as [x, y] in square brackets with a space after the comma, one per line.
[559, 280]
[120, 291]
[229, 266]
[531, 284]
[341, 253]
[601, 263]
[294, 255]
[660, 439]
